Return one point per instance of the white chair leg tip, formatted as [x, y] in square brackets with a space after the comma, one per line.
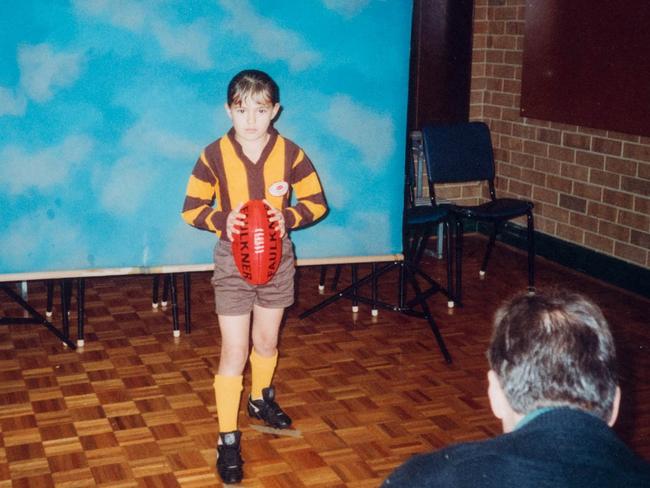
[48, 314]
[374, 312]
[80, 342]
[450, 304]
[177, 333]
[154, 305]
[481, 274]
[355, 309]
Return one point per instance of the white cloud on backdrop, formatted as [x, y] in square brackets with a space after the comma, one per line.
[65, 239]
[145, 136]
[185, 43]
[43, 70]
[188, 44]
[347, 8]
[126, 14]
[24, 168]
[128, 184]
[267, 38]
[12, 103]
[371, 133]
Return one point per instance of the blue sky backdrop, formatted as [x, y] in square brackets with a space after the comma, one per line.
[105, 106]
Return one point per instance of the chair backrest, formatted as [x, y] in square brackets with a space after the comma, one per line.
[458, 152]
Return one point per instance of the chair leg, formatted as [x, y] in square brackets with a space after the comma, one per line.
[459, 262]
[411, 243]
[446, 236]
[420, 246]
[488, 251]
[531, 252]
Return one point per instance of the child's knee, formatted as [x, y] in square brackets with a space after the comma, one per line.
[266, 346]
[233, 358]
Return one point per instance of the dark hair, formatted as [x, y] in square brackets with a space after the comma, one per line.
[553, 349]
[252, 83]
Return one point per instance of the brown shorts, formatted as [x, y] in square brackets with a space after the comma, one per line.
[235, 296]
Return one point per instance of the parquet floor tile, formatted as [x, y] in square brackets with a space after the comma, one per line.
[135, 406]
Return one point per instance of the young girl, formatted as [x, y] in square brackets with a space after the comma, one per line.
[252, 161]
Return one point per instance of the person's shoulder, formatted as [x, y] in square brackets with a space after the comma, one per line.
[215, 144]
[460, 465]
[213, 149]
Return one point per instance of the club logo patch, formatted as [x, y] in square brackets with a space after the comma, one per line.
[279, 188]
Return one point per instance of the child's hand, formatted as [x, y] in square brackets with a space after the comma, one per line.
[276, 215]
[234, 221]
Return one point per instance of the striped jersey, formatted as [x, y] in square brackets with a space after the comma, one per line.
[223, 177]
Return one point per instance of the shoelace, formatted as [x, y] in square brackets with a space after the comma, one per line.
[273, 409]
[230, 456]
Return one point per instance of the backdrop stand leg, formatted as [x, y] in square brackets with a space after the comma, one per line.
[50, 297]
[65, 307]
[81, 299]
[35, 317]
[154, 291]
[172, 288]
[186, 285]
[427, 314]
[406, 275]
[355, 302]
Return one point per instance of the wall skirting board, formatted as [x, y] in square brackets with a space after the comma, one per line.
[606, 268]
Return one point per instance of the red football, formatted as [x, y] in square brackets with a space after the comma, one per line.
[257, 249]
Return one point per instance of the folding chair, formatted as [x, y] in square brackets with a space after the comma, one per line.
[462, 152]
[421, 221]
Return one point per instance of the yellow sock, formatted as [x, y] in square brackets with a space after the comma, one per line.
[227, 390]
[262, 370]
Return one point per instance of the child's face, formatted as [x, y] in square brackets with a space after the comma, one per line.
[251, 118]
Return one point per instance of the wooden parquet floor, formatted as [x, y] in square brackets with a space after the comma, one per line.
[135, 407]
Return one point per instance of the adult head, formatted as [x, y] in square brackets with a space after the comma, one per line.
[551, 349]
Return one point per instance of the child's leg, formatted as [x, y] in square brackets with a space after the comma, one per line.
[228, 382]
[264, 356]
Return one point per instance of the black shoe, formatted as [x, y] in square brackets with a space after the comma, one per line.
[268, 410]
[229, 461]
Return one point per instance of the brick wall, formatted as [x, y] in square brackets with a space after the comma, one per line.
[590, 187]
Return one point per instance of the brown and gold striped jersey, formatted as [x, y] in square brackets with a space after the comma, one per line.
[223, 177]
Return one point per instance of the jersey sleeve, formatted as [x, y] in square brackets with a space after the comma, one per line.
[310, 199]
[202, 191]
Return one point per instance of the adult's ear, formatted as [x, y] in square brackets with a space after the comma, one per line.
[227, 107]
[496, 396]
[615, 407]
[499, 403]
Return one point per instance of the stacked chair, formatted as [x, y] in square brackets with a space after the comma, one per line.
[462, 153]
